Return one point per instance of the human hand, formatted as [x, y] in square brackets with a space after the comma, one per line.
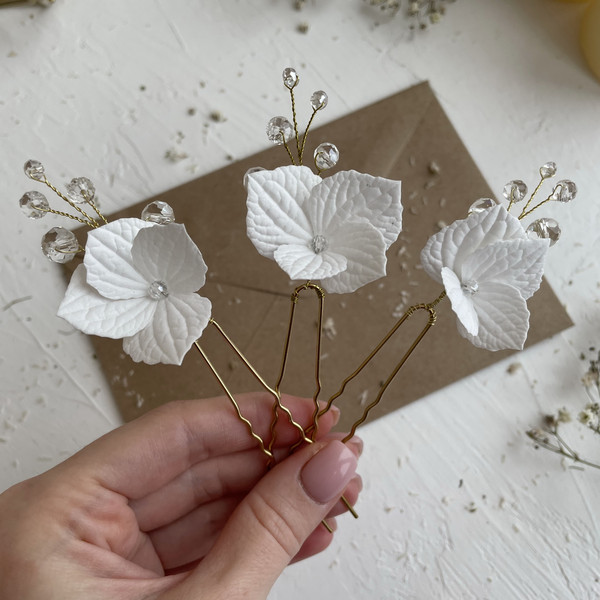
[176, 506]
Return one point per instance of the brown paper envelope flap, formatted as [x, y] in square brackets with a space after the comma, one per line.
[400, 137]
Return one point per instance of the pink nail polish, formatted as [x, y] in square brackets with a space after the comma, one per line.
[357, 443]
[328, 472]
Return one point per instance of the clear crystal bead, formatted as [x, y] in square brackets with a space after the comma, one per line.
[80, 190]
[60, 245]
[319, 100]
[319, 244]
[34, 169]
[544, 228]
[470, 286]
[480, 205]
[564, 191]
[158, 212]
[279, 129]
[548, 170]
[249, 172]
[158, 290]
[290, 78]
[326, 156]
[34, 205]
[515, 191]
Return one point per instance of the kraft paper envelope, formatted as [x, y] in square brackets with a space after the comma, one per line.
[406, 137]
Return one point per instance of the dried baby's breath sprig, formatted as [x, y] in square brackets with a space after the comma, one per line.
[548, 435]
[420, 13]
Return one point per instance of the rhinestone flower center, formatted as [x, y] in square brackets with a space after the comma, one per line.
[158, 290]
[319, 244]
[470, 286]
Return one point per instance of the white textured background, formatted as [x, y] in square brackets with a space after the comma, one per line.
[511, 78]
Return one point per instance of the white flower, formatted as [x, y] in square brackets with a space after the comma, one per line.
[137, 282]
[489, 268]
[335, 230]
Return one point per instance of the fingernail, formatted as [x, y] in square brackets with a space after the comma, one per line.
[325, 476]
[356, 443]
[359, 482]
[335, 411]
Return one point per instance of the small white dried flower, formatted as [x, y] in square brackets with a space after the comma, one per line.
[588, 418]
[590, 379]
[563, 416]
[593, 407]
[538, 435]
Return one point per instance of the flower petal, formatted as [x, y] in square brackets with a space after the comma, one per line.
[462, 303]
[519, 263]
[503, 318]
[167, 253]
[348, 195]
[275, 208]
[364, 248]
[108, 260]
[84, 308]
[451, 246]
[177, 323]
[299, 261]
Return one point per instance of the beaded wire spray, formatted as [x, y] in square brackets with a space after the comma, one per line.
[60, 245]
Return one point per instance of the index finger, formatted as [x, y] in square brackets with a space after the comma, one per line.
[147, 453]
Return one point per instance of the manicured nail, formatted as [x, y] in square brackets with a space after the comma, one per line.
[336, 414]
[357, 444]
[326, 475]
[334, 410]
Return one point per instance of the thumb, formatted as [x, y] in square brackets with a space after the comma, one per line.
[271, 524]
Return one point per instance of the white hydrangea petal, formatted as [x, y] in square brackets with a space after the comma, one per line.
[108, 260]
[451, 246]
[299, 261]
[351, 195]
[178, 321]
[364, 248]
[275, 208]
[84, 308]
[519, 263]
[503, 318]
[167, 253]
[462, 303]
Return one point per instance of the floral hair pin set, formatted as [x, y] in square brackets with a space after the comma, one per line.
[141, 278]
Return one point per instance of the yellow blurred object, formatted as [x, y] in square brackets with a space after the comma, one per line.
[590, 36]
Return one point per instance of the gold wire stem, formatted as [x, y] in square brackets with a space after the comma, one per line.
[234, 402]
[409, 312]
[512, 200]
[287, 149]
[274, 392]
[91, 221]
[525, 213]
[80, 249]
[537, 189]
[64, 214]
[93, 205]
[294, 118]
[301, 153]
[326, 525]
[363, 418]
